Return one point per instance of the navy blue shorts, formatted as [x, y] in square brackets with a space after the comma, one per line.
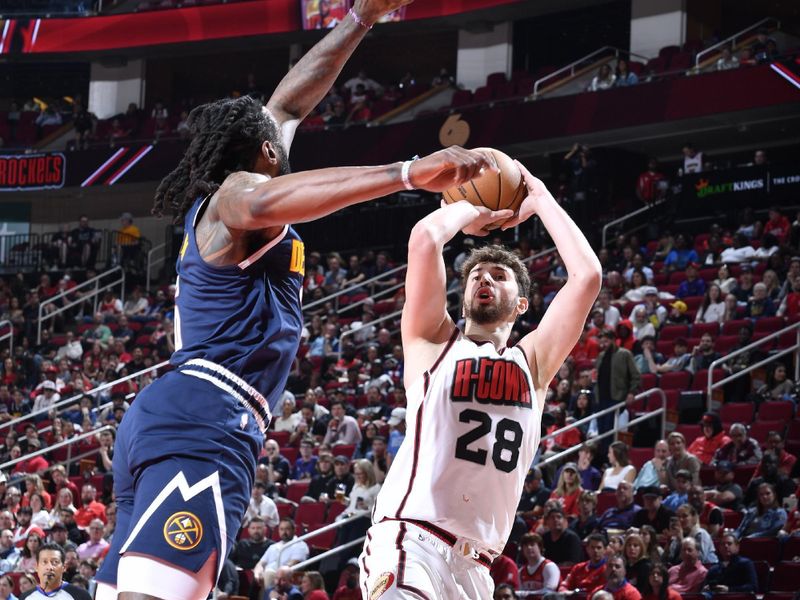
[184, 464]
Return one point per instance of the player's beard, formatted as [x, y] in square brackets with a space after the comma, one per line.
[483, 314]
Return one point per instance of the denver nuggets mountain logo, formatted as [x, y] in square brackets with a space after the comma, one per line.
[183, 531]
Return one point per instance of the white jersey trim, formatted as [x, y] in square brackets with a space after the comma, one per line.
[264, 249]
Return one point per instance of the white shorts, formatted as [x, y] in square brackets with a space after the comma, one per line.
[402, 560]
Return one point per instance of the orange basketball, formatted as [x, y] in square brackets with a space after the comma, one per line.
[495, 191]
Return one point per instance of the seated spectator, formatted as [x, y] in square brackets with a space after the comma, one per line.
[649, 356]
[589, 574]
[769, 473]
[642, 327]
[741, 450]
[724, 280]
[283, 586]
[710, 515]
[741, 252]
[759, 304]
[503, 591]
[733, 573]
[342, 428]
[611, 313]
[616, 585]
[692, 285]
[689, 575]
[727, 60]
[778, 386]
[95, 547]
[657, 586]
[680, 256]
[726, 494]
[679, 459]
[637, 562]
[688, 527]
[703, 355]
[680, 492]
[786, 461]
[604, 80]
[274, 558]
[586, 522]
[278, 467]
[248, 550]
[568, 489]
[765, 519]
[560, 544]
[537, 573]
[654, 513]
[586, 348]
[305, 466]
[650, 475]
[324, 474]
[504, 570]
[288, 419]
[261, 506]
[590, 476]
[713, 438]
[624, 77]
[620, 516]
[678, 314]
[620, 470]
[678, 361]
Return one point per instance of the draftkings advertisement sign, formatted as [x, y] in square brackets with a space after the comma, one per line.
[32, 171]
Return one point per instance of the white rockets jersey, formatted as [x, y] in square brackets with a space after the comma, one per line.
[472, 428]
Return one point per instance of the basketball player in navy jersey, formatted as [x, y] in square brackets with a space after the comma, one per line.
[186, 451]
[448, 503]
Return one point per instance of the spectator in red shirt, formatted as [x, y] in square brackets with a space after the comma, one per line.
[591, 573]
[504, 570]
[777, 225]
[91, 508]
[647, 187]
[712, 439]
[775, 447]
[616, 584]
[568, 489]
[586, 348]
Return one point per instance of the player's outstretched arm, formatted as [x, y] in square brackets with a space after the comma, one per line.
[248, 201]
[310, 79]
[425, 325]
[559, 330]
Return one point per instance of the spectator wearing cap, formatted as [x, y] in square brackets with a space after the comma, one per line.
[342, 428]
[261, 506]
[654, 513]
[590, 475]
[726, 494]
[680, 492]
[713, 437]
[95, 547]
[741, 450]
[568, 489]
[677, 314]
[744, 286]
[342, 480]
[617, 378]
[679, 459]
[621, 516]
[560, 544]
[692, 285]
[655, 312]
[688, 576]
[733, 573]
[46, 399]
[397, 433]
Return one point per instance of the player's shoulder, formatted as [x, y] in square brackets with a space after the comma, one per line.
[76, 592]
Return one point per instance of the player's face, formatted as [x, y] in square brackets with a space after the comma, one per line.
[491, 294]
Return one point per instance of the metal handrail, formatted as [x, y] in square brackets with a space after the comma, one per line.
[572, 66]
[624, 218]
[151, 262]
[384, 294]
[607, 410]
[71, 399]
[94, 281]
[9, 336]
[727, 41]
[344, 334]
[310, 561]
[541, 254]
[348, 290]
[69, 442]
[711, 385]
[316, 532]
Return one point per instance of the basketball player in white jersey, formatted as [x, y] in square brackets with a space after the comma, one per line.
[474, 405]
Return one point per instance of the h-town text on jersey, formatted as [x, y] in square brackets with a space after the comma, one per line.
[491, 381]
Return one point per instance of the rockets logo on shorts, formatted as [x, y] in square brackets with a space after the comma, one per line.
[183, 531]
[384, 582]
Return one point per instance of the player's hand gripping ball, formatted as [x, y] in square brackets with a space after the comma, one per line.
[494, 190]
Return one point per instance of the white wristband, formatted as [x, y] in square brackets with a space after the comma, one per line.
[404, 174]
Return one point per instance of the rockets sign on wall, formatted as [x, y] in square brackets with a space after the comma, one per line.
[32, 171]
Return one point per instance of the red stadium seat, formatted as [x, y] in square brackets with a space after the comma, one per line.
[761, 549]
[762, 574]
[733, 326]
[732, 519]
[785, 577]
[737, 412]
[670, 332]
[639, 456]
[760, 429]
[605, 500]
[791, 548]
[282, 437]
[776, 410]
[690, 431]
[675, 380]
[648, 381]
[700, 379]
[700, 329]
[290, 454]
[285, 509]
[742, 474]
[308, 513]
[793, 433]
[334, 510]
[693, 302]
[296, 490]
[725, 343]
[769, 324]
[322, 541]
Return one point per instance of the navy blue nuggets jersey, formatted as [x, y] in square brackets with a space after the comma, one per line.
[247, 317]
[185, 454]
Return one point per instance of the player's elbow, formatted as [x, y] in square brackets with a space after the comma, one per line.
[423, 240]
[589, 277]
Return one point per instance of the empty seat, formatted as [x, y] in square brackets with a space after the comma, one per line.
[700, 329]
[793, 433]
[725, 343]
[296, 490]
[760, 429]
[308, 513]
[282, 437]
[693, 303]
[482, 94]
[742, 474]
[285, 509]
[605, 500]
[461, 98]
[676, 380]
[700, 379]
[670, 332]
[769, 324]
[648, 381]
[791, 548]
[690, 431]
[737, 412]
[761, 549]
[494, 80]
[639, 456]
[785, 577]
[776, 410]
[733, 326]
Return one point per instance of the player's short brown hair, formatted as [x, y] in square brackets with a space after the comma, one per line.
[500, 256]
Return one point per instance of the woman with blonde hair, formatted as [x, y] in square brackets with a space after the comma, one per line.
[313, 586]
[637, 562]
[568, 489]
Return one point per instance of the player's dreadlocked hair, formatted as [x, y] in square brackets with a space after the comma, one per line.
[226, 137]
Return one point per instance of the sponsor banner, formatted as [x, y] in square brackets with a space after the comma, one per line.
[32, 171]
